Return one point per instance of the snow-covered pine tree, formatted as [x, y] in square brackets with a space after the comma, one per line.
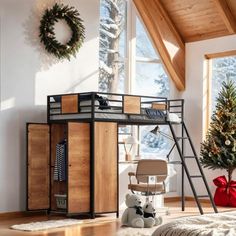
[218, 151]
[111, 26]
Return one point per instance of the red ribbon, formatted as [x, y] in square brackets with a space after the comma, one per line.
[221, 181]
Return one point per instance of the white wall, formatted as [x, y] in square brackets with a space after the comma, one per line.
[27, 75]
[195, 92]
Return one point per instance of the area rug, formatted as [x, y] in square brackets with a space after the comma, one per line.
[221, 224]
[44, 225]
[128, 231]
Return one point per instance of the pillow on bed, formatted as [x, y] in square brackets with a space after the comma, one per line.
[172, 117]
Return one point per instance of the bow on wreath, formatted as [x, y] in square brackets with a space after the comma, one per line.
[225, 194]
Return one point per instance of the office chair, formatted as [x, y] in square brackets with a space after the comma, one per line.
[150, 178]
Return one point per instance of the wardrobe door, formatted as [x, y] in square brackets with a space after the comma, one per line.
[78, 167]
[105, 155]
[38, 166]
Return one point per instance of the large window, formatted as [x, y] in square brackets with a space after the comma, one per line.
[129, 63]
[221, 68]
[150, 75]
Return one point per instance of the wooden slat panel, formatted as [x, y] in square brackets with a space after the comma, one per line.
[105, 167]
[226, 15]
[69, 104]
[79, 167]
[232, 7]
[131, 105]
[165, 37]
[196, 19]
[158, 106]
[58, 133]
[38, 166]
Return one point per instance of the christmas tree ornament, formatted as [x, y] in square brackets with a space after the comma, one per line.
[227, 142]
[47, 34]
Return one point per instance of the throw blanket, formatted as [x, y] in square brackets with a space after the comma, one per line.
[221, 224]
[155, 114]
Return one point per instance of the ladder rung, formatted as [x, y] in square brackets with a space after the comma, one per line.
[195, 176]
[202, 196]
[188, 157]
[181, 138]
[174, 162]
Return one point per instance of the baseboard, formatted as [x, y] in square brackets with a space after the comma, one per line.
[172, 199]
[187, 198]
[19, 214]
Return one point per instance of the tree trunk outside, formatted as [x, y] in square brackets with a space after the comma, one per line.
[113, 58]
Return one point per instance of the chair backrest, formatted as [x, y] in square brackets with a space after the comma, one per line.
[151, 167]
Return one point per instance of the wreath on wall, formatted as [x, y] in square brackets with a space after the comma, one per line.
[47, 34]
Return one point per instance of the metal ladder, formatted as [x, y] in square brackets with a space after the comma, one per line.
[180, 149]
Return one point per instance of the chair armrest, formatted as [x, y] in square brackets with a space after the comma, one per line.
[130, 174]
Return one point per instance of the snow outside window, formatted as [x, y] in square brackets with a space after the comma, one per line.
[223, 68]
[112, 50]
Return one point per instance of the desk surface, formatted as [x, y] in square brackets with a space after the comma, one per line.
[129, 162]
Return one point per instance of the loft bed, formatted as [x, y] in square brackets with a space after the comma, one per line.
[121, 108]
[125, 109]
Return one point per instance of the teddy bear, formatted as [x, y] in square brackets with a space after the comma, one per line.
[133, 214]
[149, 211]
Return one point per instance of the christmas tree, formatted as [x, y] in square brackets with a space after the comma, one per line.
[218, 151]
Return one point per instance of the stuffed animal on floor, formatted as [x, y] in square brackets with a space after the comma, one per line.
[149, 211]
[133, 215]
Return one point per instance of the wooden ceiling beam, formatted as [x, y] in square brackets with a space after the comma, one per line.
[226, 15]
[165, 37]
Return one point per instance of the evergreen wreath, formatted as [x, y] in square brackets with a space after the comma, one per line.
[47, 34]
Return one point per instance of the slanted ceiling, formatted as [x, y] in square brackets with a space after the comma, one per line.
[172, 23]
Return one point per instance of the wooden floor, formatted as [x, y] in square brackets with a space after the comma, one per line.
[101, 226]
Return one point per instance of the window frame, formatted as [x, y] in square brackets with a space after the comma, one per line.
[208, 60]
[131, 58]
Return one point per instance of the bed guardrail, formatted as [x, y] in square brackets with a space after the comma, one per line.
[119, 106]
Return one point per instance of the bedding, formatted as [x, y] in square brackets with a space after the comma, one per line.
[105, 109]
[173, 117]
[221, 224]
[109, 114]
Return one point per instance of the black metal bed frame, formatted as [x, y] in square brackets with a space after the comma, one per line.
[172, 106]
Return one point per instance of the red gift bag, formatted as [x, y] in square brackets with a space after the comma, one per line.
[232, 193]
[224, 195]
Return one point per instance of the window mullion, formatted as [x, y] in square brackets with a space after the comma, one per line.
[131, 48]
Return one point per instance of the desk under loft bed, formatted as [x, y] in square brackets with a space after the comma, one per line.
[88, 124]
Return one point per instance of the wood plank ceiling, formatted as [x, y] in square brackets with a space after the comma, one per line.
[181, 21]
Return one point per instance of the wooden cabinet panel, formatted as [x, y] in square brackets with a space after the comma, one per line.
[38, 166]
[78, 167]
[105, 156]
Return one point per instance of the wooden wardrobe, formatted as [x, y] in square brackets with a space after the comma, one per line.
[91, 184]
